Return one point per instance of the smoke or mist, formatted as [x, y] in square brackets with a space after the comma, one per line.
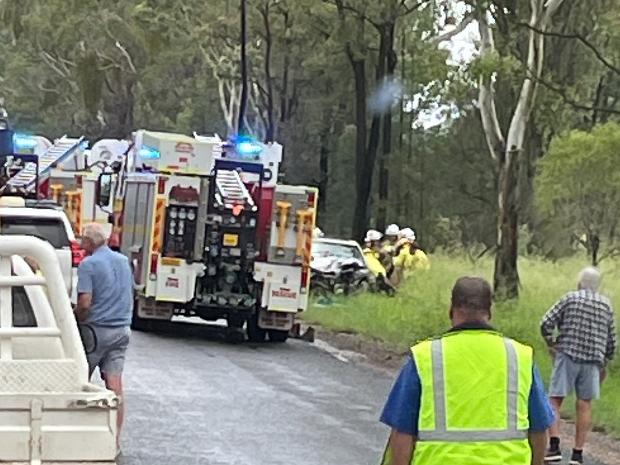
[385, 96]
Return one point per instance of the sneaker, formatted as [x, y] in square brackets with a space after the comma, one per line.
[576, 459]
[554, 454]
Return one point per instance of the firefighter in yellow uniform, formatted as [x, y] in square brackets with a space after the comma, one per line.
[372, 253]
[388, 247]
[372, 257]
[469, 397]
[409, 257]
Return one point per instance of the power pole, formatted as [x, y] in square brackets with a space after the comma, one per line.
[241, 129]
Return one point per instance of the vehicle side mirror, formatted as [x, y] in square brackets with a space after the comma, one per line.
[104, 189]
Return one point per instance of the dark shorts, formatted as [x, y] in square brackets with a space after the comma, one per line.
[109, 355]
[568, 376]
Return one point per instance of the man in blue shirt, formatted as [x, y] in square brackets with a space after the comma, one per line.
[105, 296]
[402, 409]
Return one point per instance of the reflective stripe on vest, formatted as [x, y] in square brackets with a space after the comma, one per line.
[441, 432]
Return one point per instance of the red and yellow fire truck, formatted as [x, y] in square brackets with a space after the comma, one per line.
[210, 233]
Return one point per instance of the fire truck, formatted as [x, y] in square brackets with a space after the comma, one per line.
[211, 234]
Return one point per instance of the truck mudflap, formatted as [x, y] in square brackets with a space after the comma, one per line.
[279, 321]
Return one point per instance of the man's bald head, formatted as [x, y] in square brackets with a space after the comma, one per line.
[471, 300]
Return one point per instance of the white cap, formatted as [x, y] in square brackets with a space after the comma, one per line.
[373, 235]
[407, 233]
[392, 230]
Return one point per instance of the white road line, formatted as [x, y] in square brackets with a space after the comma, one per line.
[345, 356]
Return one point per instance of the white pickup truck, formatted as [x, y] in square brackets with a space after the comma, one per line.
[49, 412]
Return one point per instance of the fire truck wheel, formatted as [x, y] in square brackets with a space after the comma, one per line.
[137, 323]
[278, 336]
[235, 336]
[255, 333]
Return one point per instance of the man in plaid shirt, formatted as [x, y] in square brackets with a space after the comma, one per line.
[580, 332]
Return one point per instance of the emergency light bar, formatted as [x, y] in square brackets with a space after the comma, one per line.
[246, 146]
[149, 153]
[24, 142]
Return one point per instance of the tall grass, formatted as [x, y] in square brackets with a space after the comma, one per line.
[420, 310]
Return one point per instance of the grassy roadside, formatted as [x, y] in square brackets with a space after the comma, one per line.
[421, 308]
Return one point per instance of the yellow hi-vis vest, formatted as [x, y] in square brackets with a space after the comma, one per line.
[474, 400]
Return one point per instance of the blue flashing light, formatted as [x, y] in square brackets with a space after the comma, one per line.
[24, 142]
[149, 153]
[246, 146]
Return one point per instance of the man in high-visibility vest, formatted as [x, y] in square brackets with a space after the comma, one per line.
[470, 396]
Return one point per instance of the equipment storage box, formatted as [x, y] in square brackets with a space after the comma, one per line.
[292, 223]
[174, 152]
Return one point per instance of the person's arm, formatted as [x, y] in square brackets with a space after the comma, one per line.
[540, 416]
[612, 342]
[538, 442]
[551, 321]
[84, 303]
[84, 290]
[401, 413]
[400, 449]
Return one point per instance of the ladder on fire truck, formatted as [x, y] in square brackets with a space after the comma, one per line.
[56, 154]
[231, 190]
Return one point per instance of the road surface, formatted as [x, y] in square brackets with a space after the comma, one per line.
[197, 400]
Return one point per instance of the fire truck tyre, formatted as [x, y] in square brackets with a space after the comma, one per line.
[278, 336]
[234, 335]
[255, 333]
[235, 321]
[137, 323]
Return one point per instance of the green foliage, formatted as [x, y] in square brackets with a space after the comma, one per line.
[420, 310]
[490, 63]
[577, 186]
[104, 69]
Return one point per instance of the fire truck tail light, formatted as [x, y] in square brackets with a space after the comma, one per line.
[153, 268]
[161, 186]
[311, 199]
[305, 277]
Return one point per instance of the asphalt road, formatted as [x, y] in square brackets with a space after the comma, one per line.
[193, 399]
[196, 400]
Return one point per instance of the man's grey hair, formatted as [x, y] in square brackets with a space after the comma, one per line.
[590, 279]
[95, 233]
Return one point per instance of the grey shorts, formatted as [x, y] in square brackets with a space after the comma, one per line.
[109, 355]
[569, 376]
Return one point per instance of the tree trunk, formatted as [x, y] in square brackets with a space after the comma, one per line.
[595, 244]
[507, 152]
[241, 127]
[384, 171]
[365, 157]
[506, 277]
[270, 130]
[285, 69]
[323, 170]
[362, 180]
